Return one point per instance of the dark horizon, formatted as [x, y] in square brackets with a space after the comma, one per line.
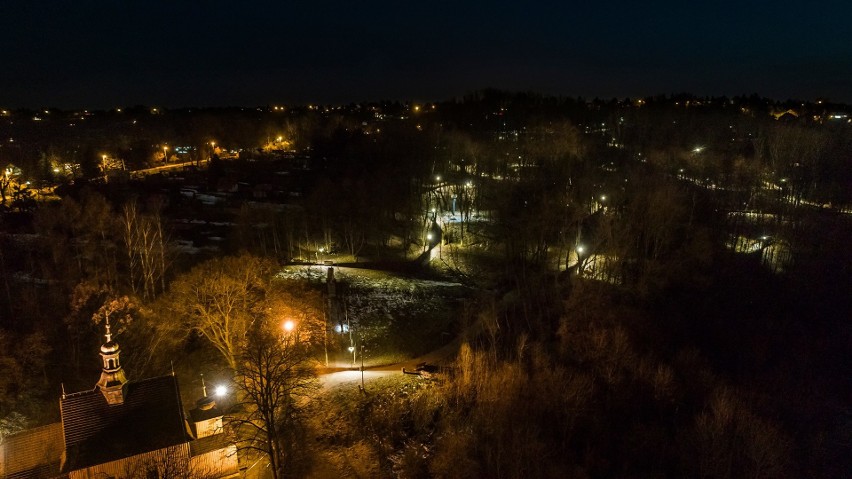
[416, 100]
[178, 54]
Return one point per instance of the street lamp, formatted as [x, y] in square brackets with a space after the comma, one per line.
[221, 390]
[289, 326]
[165, 154]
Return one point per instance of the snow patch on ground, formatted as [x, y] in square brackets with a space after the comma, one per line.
[380, 301]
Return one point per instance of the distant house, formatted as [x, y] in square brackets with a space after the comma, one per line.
[123, 429]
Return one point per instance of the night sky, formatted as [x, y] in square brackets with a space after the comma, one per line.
[104, 54]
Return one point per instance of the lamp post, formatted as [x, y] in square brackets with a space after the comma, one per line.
[351, 340]
[165, 154]
[362, 363]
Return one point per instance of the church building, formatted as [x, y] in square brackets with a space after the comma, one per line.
[124, 429]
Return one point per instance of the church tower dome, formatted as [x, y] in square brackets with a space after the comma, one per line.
[112, 379]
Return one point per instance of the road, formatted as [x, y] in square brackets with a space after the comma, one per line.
[160, 169]
[333, 377]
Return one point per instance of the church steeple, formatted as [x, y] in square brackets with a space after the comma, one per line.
[112, 379]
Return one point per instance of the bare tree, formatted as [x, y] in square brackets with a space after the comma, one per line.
[146, 252]
[91, 305]
[274, 372]
[79, 240]
[220, 299]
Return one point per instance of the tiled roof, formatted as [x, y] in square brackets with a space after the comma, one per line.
[150, 418]
[34, 453]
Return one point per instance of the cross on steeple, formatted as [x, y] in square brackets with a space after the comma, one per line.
[108, 335]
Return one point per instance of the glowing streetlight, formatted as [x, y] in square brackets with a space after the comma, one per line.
[429, 236]
[221, 390]
[289, 326]
[603, 197]
[165, 153]
[580, 249]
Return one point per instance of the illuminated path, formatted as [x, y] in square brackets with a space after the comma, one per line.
[333, 377]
